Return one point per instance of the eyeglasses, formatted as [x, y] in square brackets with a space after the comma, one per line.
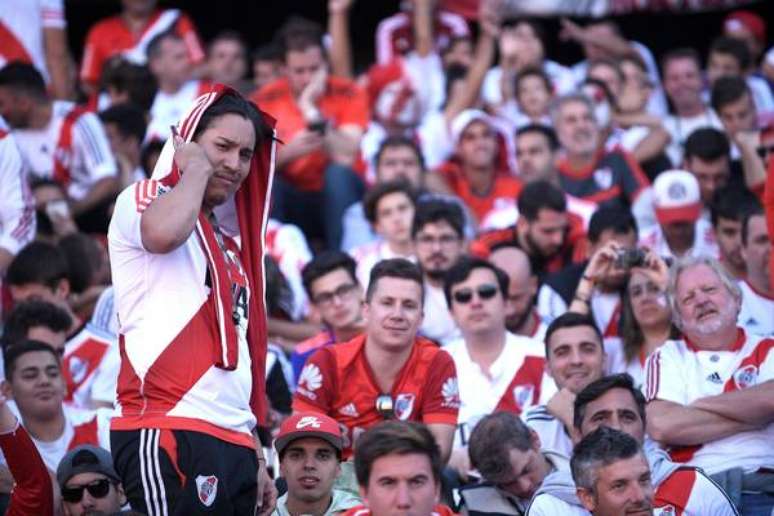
[324, 298]
[97, 489]
[485, 291]
[443, 240]
[385, 406]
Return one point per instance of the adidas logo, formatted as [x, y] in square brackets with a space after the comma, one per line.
[349, 410]
[714, 378]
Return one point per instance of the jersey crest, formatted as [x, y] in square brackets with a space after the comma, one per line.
[603, 177]
[746, 376]
[404, 406]
[207, 489]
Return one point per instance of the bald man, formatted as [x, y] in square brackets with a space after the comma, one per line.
[521, 318]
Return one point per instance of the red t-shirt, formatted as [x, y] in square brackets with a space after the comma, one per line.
[342, 103]
[112, 36]
[338, 381]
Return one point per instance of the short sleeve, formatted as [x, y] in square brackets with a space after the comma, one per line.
[316, 387]
[52, 14]
[92, 143]
[91, 64]
[124, 230]
[442, 396]
[664, 377]
[187, 30]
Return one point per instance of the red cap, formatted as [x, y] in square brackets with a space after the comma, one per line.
[308, 424]
[752, 22]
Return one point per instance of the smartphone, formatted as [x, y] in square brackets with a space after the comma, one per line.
[57, 208]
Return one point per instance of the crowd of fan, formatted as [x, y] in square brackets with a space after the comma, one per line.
[574, 262]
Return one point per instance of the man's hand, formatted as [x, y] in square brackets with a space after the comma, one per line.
[561, 406]
[339, 6]
[602, 261]
[266, 496]
[571, 31]
[307, 101]
[190, 156]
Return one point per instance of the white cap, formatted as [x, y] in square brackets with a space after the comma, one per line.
[676, 197]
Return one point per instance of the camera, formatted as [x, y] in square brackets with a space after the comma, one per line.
[628, 258]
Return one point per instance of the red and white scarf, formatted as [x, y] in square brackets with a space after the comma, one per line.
[242, 218]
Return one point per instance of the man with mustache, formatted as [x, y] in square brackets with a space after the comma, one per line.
[710, 394]
[588, 171]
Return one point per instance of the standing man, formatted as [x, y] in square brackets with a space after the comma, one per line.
[337, 296]
[757, 290]
[488, 358]
[309, 447]
[17, 206]
[388, 372]
[710, 395]
[439, 241]
[184, 288]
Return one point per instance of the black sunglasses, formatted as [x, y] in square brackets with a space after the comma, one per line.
[385, 406]
[97, 489]
[485, 291]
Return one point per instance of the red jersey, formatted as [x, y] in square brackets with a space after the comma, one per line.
[342, 103]
[112, 36]
[338, 381]
[504, 186]
[32, 493]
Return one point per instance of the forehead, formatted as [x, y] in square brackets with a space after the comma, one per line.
[226, 45]
[405, 465]
[234, 128]
[399, 152]
[438, 227]
[331, 280]
[477, 276]
[697, 275]
[82, 479]
[531, 139]
[639, 278]
[476, 127]
[172, 45]
[681, 65]
[399, 288]
[509, 259]
[756, 225]
[39, 359]
[573, 336]
[310, 444]
[392, 199]
[310, 55]
[574, 108]
[630, 468]
[614, 399]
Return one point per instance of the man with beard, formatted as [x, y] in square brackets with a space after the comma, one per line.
[438, 234]
[521, 317]
[588, 171]
[488, 358]
[309, 449]
[612, 474]
[726, 214]
[710, 395]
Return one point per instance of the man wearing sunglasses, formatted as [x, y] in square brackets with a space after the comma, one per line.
[387, 372]
[488, 359]
[88, 482]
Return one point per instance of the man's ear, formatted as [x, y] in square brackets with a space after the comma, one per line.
[587, 498]
[363, 494]
[6, 389]
[534, 440]
[62, 289]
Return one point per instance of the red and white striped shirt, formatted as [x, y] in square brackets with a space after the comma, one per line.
[90, 366]
[17, 208]
[21, 30]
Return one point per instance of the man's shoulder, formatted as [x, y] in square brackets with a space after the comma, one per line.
[342, 87]
[539, 414]
[276, 91]
[485, 498]
[105, 27]
[524, 345]
[320, 340]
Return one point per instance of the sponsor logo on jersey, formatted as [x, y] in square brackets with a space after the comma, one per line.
[207, 489]
[404, 405]
[603, 177]
[308, 421]
[522, 394]
[451, 393]
[746, 376]
[78, 369]
[349, 410]
[309, 381]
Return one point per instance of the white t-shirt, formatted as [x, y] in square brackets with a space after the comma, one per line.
[25, 21]
[757, 313]
[169, 108]
[703, 242]
[681, 373]
[90, 158]
[17, 208]
[519, 368]
[680, 128]
[438, 323]
[286, 244]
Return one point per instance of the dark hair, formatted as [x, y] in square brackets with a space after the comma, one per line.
[38, 263]
[228, 35]
[279, 296]
[453, 73]
[752, 211]
[399, 141]
[620, 220]
[11, 354]
[128, 118]
[610, 63]
[571, 320]
[233, 103]
[680, 53]
[394, 268]
[325, 263]
[533, 71]
[546, 131]
[728, 90]
[433, 210]
[707, 144]
[631, 331]
[602, 447]
[491, 441]
[395, 438]
[461, 270]
[84, 258]
[535, 24]
[154, 46]
[374, 196]
[731, 202]
[635, 59]
[599, 388]
[136, 80]
[32, 313]
[297, 34]
[734, 47]
[540, 195]
[268, 52]
[23, 78]
[153, 146]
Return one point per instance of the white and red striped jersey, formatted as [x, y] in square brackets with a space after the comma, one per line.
[757, 312]
[690, 492]
[17, 208]
[395, 34]
[90, 366]
[287, 245]
[21, 30]
[72, 149]
[166, 381]
[681, 373]
[512, 383]
[703, 242]
[168, 108]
